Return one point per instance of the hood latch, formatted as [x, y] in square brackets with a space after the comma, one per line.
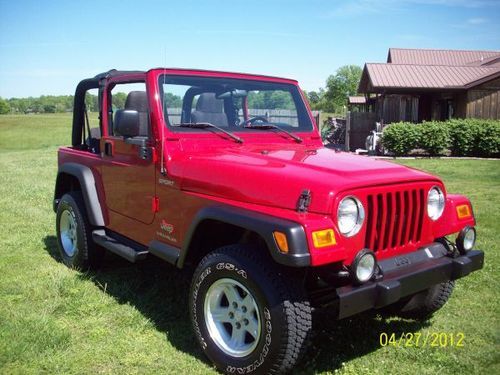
[304, 201]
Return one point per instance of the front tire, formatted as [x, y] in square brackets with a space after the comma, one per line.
[423, 305]
[248, 315]
[74, 235]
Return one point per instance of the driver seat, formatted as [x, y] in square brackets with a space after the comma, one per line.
[209, 109]
[138, 101]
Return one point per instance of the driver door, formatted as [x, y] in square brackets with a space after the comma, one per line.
[128, 169]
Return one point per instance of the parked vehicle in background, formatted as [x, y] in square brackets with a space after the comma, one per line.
[226, 173]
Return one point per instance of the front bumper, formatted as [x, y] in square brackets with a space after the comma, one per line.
[406, 275]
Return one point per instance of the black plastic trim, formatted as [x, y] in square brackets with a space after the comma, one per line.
[164, 251]
[89, 191]
[125, 249]
[264, 225]
[437, 250]
[404, 281]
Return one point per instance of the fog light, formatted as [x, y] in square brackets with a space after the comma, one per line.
[364, 266]
[466, 239]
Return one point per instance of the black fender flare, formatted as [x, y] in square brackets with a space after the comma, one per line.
[264, 225]
[89, 191]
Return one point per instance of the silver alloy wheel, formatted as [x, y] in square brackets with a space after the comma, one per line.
[232, 317]
[67, 232]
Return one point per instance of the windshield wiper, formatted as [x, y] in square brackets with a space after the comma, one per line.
[204, 125]
[272, 126]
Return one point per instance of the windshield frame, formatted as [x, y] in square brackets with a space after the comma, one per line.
[306, 123]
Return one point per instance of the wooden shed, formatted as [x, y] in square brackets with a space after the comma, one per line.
[420, 85]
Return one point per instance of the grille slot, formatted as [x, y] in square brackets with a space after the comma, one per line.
[394, 219]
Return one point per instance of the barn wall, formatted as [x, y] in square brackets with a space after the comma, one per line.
[397, 108]
[484, 101]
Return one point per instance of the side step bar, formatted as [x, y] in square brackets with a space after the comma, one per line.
[131, 253]
[164, 251]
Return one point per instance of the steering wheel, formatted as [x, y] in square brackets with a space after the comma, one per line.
[255, 119]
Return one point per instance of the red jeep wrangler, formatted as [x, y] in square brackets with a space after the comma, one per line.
[227, 172]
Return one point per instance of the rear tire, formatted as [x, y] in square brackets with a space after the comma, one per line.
[248, 315]
[74, 234]
[423, 305]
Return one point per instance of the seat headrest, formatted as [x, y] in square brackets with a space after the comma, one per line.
[207, 102]
[137, 101]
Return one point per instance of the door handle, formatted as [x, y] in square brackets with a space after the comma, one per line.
[108, 148]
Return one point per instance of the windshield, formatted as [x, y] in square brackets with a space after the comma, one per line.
[234, 104]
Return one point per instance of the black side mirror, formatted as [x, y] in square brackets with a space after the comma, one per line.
[126, 123]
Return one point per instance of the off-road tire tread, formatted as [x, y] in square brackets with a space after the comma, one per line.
[89, 254]
[296, 306]
[422, 306]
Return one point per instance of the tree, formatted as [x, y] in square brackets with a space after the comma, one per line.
[118, 100]
[172, 100]
[49, 108]
[339, 86]
[91, 101]
[275, 99]
[4, 107]
[316, 99]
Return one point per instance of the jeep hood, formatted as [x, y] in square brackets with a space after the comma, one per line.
[275, 176]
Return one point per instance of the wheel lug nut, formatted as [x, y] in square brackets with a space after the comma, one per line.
[244, 309]
[238, 325]
[235, 305]
[245, 321]
[231, 315]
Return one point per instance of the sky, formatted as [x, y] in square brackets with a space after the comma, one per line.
[47, 47]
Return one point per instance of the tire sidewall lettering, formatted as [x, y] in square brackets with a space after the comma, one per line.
[194, 312]
[231, 267]
[264, 352]
[225, 269]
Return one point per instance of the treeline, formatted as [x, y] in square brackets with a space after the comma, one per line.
[54, 103]
[332, 98]
[44, 104]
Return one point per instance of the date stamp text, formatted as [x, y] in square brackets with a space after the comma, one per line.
[423, 340]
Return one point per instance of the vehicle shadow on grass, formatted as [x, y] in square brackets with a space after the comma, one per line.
[156, 289]
[159, 291]
[336, 342]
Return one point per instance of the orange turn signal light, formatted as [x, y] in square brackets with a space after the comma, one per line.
[463, 211]
[323, 238]
[281, 241]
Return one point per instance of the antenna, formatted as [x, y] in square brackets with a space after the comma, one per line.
[162, 152]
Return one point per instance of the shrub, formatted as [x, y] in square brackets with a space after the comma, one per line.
[433, 137]
[463, 136]
[488, 141]
[400, 138]
[474, 137]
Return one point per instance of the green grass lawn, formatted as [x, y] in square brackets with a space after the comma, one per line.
[129, 318]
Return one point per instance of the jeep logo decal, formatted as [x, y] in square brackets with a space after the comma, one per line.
[402, 261]
[169, 228]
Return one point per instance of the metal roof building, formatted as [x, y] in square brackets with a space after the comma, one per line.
[438, 56]
[420, 84]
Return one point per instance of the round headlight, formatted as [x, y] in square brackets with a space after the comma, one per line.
[466, 239]
[435, 203]
[350, 216]
[363, 266]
